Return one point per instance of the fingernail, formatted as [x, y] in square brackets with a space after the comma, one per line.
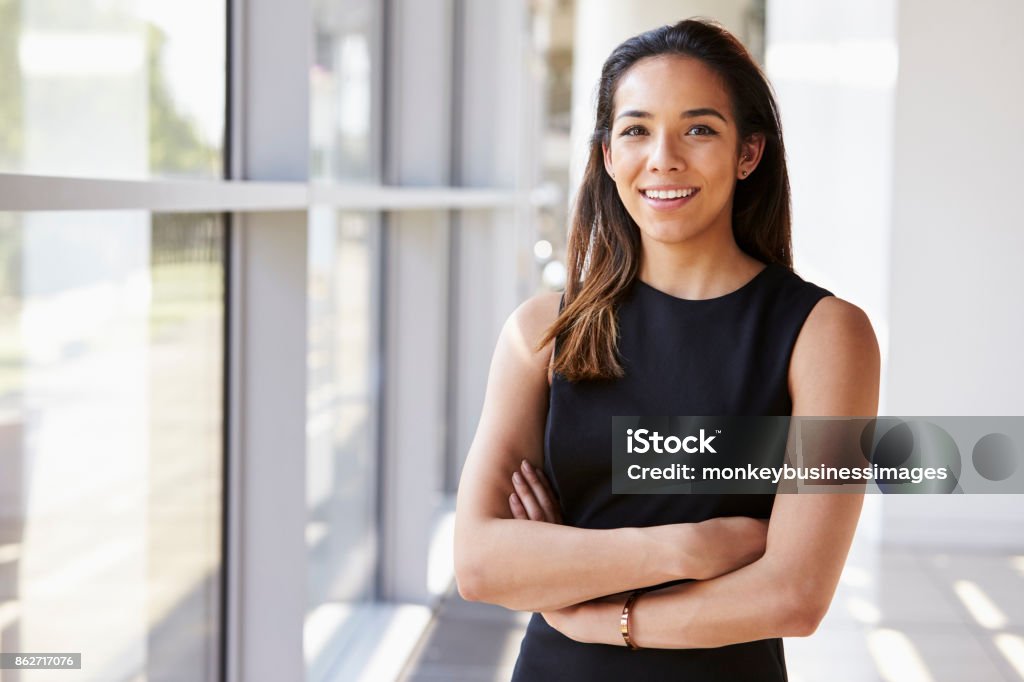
[526, 465]
[515, 476]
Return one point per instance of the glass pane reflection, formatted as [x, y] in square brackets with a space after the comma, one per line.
[111, 348]
[126, 89]
[341, 433]
[344, 90]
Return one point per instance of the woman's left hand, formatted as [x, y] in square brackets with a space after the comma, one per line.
[533, 499]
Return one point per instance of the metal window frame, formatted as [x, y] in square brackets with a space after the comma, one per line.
[26, 193]
[266, 196]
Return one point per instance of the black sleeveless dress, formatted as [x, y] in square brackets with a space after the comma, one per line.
[721, 356]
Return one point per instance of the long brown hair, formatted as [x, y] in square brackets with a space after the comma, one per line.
[604, 244]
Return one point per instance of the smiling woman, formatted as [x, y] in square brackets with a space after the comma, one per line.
[680, 300]
[686, 152]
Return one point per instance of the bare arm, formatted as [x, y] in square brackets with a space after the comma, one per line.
[538, 566]
[834, 372]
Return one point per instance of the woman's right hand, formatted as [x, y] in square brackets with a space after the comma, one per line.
[726, 544]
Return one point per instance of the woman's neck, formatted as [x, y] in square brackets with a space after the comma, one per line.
[685, 271]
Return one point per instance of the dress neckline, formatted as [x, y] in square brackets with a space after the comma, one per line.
[706, 301]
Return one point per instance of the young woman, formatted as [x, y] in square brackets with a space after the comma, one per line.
[680, 300]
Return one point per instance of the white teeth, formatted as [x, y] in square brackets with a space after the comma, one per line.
[669, 194]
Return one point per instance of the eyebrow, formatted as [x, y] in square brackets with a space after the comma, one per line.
[689, 113]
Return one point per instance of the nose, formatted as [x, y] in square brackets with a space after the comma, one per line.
[665, 155]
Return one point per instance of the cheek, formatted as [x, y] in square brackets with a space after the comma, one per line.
[712, 159]
[628, 157]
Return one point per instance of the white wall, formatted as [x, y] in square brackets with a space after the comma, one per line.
[903, 142]
[958, 238]
[834, 70]
[957, 243]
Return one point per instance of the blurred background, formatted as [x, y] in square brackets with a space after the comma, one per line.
[255, 254]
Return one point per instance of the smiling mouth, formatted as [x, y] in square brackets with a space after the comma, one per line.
[673, 199]
[663, 194]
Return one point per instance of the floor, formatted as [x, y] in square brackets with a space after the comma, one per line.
[898, 615]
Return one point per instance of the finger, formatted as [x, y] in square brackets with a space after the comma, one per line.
[539, 495]
[542, 492]
[533, 510]
[518, 511]
[540, 475]
[555, 504]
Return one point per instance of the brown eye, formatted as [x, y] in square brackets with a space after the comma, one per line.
[707, 131]
[632, 131]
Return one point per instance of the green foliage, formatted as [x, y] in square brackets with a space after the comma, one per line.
[175, 147]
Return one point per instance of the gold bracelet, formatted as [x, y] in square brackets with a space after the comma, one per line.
[624, 619]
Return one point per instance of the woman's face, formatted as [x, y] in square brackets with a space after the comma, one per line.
[673, 150]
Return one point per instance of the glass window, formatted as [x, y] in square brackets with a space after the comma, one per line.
[345, 90]
[111, 346]
[552, 35]
[341, 487]
[126, 89]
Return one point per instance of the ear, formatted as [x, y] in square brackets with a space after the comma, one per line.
[607, 160]
[751, 150]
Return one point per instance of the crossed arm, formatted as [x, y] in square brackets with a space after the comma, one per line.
[575, 577]
[784, 593]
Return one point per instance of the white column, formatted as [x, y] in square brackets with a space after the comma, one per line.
[267, 462]
[415, 328]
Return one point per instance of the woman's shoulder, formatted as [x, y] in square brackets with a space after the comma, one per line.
[833, 315]
[534, 316]
[836, 347]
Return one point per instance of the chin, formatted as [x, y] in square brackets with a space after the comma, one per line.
[671, 234]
